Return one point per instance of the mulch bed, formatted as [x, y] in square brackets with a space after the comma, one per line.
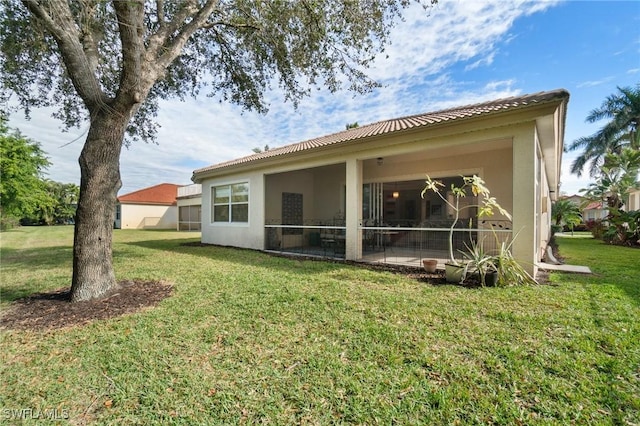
[52, 310]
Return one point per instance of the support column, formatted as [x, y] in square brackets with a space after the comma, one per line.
[353, 214]
[525, 220]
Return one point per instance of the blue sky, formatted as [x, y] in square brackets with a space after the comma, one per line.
[463, 52]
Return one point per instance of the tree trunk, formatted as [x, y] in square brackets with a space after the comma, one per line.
[93, 274]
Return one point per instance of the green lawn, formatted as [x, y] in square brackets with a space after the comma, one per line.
[251, 338]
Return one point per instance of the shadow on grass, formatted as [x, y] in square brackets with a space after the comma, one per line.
[48, 257]
[41, 259]
[610, 367]
[36, 258]
[631, 289]
[12, 294]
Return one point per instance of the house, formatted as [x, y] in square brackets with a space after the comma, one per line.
[578, 200]
[189, 202]
[356, 194]
[597, 210]
[154, 207]
[594, 210]
[634, 200]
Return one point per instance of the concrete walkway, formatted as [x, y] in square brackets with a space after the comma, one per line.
[565, 268]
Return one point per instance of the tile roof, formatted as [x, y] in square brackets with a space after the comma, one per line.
[595, 205]
[401, 124]
[163, 194]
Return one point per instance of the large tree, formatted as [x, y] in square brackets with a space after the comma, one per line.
[110, 62]
[22, 165]
[622, 112]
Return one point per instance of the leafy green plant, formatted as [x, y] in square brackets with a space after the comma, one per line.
[624, 228]
[477, 186]
[596, 227]
[565, 213]
[510, 271]
[478, 261]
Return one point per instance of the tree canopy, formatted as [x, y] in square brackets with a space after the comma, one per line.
[25, 194]
[565, 212]
[81, 56]
[111, 61]
[622, 110]
[22, 164]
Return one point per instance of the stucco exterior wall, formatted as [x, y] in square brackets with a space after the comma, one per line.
[141, 216]
[329, 189]
[245, 235]
[506, 157]
[300, 182]
[634, 201]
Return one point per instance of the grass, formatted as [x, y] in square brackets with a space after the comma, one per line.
[251, 338]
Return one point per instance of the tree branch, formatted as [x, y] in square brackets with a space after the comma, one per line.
[156, 41]
[160, 13]
[58, 19]
[130, 16]
[171, 47]
[228, 24]
[89, 36]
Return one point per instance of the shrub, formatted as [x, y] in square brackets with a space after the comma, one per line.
[8, 222]
[624, 228]
[597, 228]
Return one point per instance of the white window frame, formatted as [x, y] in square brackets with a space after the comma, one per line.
[230, 203]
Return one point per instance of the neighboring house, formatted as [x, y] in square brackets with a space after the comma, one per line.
[578, 200]
[595, 210]
[189, 202]
[634, 200]
[149, 208]
[356, 193]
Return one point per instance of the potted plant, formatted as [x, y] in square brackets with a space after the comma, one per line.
[480, 263]
[509, 271]
[454, 270]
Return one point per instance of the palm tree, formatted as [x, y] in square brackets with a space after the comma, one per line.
[565, 212]
[623, 111]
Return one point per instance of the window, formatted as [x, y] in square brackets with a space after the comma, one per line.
[230, 203]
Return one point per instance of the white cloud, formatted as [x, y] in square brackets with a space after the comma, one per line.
[593, 83]
[415, 79]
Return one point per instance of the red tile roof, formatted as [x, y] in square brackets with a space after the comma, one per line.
[402, 124]
[162, 194]
[594, 205]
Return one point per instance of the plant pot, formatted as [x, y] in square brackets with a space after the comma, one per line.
[430, 265]
[453, 273]
[491, 278]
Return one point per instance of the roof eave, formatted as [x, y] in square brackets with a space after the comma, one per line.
[556, 98]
